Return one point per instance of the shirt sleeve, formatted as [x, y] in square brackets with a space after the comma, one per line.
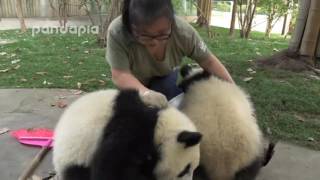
[117, 54]
[195, 47]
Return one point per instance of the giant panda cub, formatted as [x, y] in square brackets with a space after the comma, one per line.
[113, 135]
[233, 145]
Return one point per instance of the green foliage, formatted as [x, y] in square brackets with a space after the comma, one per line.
[222, 6]
[178, 6]
[180, 9]
[274, 8]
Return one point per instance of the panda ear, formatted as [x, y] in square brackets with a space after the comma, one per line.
[185, 70]
[189, 138]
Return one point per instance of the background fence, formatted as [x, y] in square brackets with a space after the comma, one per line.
[40, 8]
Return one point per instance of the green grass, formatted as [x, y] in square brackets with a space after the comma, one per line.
[287, 103]
[56, 55]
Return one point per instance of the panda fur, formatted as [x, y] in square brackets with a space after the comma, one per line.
[232, 147]
[111, 134]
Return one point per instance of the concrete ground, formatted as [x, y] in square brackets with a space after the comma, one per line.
[27, 108]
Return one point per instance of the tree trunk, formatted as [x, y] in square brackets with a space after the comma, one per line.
[318, 49]
[300, 25]
[233, 17]
[285, 18]
[63, 13]
[252, 12]
[20, 16]
[311, 33]
[269, 27]
[204, 12]
[284, 26]
[246, 18]
[113, 12]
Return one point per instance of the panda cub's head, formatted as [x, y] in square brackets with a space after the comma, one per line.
[190, 75]
[178, 142]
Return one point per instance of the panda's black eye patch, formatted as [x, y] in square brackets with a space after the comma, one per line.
[185, 171]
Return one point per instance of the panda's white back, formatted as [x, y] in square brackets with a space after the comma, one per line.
[223, 113]
[85, 118]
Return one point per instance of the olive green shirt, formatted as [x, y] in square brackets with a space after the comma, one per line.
[125, 53]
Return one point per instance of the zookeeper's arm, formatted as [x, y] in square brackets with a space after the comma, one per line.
[214, 66]
[125, 80]
[197, 49]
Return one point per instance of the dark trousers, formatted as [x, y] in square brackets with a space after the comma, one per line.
[166, 85]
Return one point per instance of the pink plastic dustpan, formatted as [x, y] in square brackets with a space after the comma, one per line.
[35, 137]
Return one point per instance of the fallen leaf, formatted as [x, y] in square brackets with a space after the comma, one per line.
[269, 132]
[45, 82]
[258, 53]
[13, 55]
[102, 82]
[311, 139]
[77, 92]
[315, 77]
[4, 130]
[103, 75]
[250, 60]
[275, 49]
[67, 77]
[79, 85]
[4, 70]
[3, 53]
[247, 79]
[86, 52]
[84, 42]
[23, 80]
[42, 73]
[301, 119]
[15, 61]
[6, 41]
[17, 67]
[249, 70]
[62, 104]
[253, 72]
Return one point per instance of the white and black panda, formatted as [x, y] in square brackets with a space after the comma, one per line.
[233, 146]
[113, 135]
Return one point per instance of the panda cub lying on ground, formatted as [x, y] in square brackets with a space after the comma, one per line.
[232, 147]
[113, 135]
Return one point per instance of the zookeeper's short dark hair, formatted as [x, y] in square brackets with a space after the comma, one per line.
[145, 11]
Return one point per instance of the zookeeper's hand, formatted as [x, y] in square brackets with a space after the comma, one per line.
[153, 98]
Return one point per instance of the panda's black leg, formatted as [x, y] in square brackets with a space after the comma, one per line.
[250, 172]
[76, 173]
[200, 174]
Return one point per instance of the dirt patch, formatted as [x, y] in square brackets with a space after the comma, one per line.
[287, 61]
